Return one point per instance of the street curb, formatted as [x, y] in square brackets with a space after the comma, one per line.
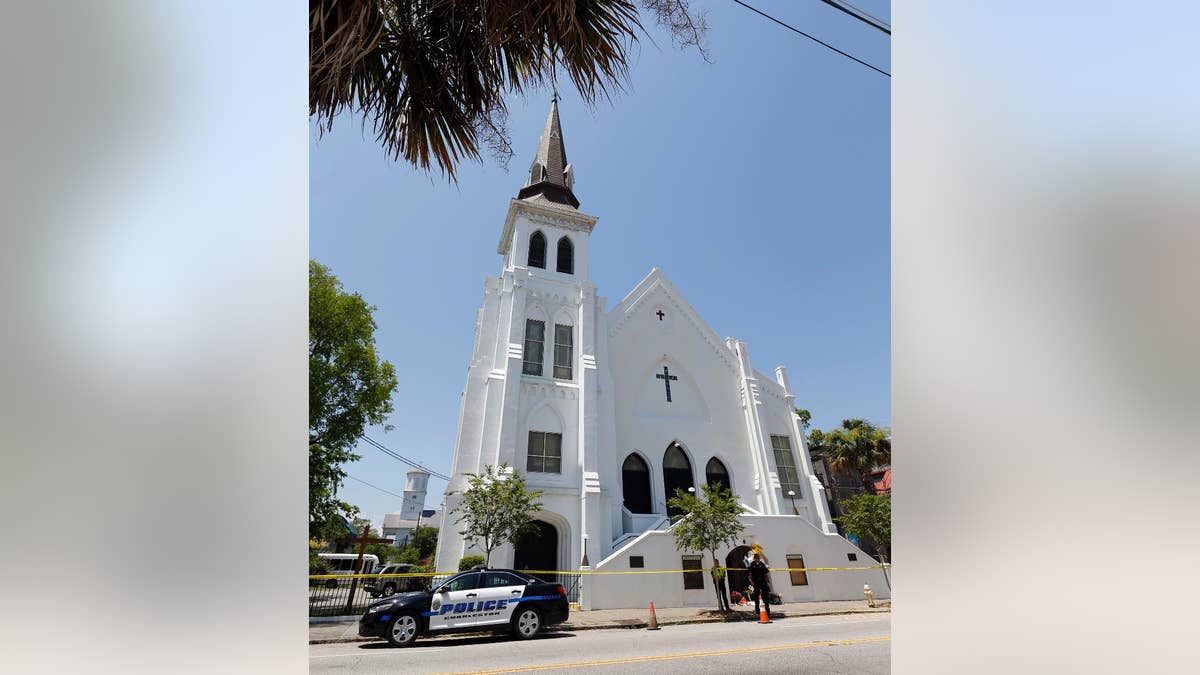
[348, 618]
[628, 626]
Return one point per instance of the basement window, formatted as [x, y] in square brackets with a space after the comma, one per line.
[796, 565]
[637, 562]
[852, 557]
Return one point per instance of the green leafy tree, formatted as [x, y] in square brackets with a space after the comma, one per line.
[857, 446]
[425, 541]
[317, 564]
[385, 552]
[432, 75]
[707, 524]
[349, 387]
[468, 561]
[805, 417]
[869, 517]
[496, 508]
[409, 555]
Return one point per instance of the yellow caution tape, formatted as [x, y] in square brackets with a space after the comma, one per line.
[703, 569]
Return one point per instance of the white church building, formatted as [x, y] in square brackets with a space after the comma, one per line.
[608, 411]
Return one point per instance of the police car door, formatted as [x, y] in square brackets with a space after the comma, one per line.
[499, 594]
[449, 607]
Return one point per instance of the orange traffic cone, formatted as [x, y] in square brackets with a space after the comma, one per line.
[762, 616]
[653, 619]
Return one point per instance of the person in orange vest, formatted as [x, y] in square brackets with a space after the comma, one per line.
[760, 578]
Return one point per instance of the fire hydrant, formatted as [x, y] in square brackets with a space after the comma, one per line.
[870, 595]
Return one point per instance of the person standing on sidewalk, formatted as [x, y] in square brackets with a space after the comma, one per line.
[759, 577]
[718, 574]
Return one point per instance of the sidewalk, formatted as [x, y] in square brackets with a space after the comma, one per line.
[347, 631]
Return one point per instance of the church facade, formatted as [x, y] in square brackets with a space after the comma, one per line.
[609, 411]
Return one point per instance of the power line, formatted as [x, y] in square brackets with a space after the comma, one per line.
[860, 15]
[374, 486]
[402, 458]
[818, 41]
[869, 16]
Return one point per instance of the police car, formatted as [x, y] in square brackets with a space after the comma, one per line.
[477, 600]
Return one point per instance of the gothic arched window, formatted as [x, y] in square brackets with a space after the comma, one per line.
[566, 256]
[537, 251]
[715, 472]
[635, 484]
[677, 474]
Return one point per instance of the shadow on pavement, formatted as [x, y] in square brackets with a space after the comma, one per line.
[460, 640]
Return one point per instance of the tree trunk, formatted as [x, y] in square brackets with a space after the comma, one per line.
[722, 598]
[884, 561]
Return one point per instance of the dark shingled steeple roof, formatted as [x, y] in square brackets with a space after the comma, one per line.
[550, 177]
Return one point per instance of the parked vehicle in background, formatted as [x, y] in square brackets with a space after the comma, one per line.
[386, 586]
[344, 563]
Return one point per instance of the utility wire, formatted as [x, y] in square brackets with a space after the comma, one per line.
[375, 486]
[864, 13]
[818, 41]
[861, 15]
[402, 458]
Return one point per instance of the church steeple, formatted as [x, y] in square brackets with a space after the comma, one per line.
[551, 178]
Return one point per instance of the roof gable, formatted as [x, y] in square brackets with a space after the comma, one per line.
[647, 288]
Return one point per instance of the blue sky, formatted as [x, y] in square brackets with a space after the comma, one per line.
[759, 183]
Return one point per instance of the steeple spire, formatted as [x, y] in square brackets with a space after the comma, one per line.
[551, 178]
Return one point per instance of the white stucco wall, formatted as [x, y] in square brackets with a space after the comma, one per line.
[778, 535]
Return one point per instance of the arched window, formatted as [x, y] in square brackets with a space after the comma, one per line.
[537, 250]
[566, 256]
[677, 474]
[715, 472]
[635, 484]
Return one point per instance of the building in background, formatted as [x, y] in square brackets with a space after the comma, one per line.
[412, 514]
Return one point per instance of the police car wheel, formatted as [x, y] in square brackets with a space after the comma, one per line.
[527, 623]
[402, 631]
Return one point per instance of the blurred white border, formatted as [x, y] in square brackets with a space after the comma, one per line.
[1044, 336]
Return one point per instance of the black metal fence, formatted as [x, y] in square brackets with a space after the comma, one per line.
[350, 594]
[573, 583]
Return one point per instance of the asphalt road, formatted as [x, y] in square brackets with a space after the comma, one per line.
[818, 644]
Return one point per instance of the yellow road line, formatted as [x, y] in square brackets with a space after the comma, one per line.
[668, 657]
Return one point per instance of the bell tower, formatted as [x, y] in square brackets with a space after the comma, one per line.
[531, 395]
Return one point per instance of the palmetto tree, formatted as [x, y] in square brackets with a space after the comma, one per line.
[857, 446]
[431, 75]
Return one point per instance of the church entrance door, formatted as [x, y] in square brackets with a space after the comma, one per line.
[677, 474]
[739, 578]
[538, 550]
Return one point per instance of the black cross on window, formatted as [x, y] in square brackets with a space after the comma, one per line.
[660, 314]
[666, 377]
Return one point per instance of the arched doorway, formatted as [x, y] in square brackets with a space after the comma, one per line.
[739, 578]
[715, 472]
[538, 550]
[677, 474]
[635, 484]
